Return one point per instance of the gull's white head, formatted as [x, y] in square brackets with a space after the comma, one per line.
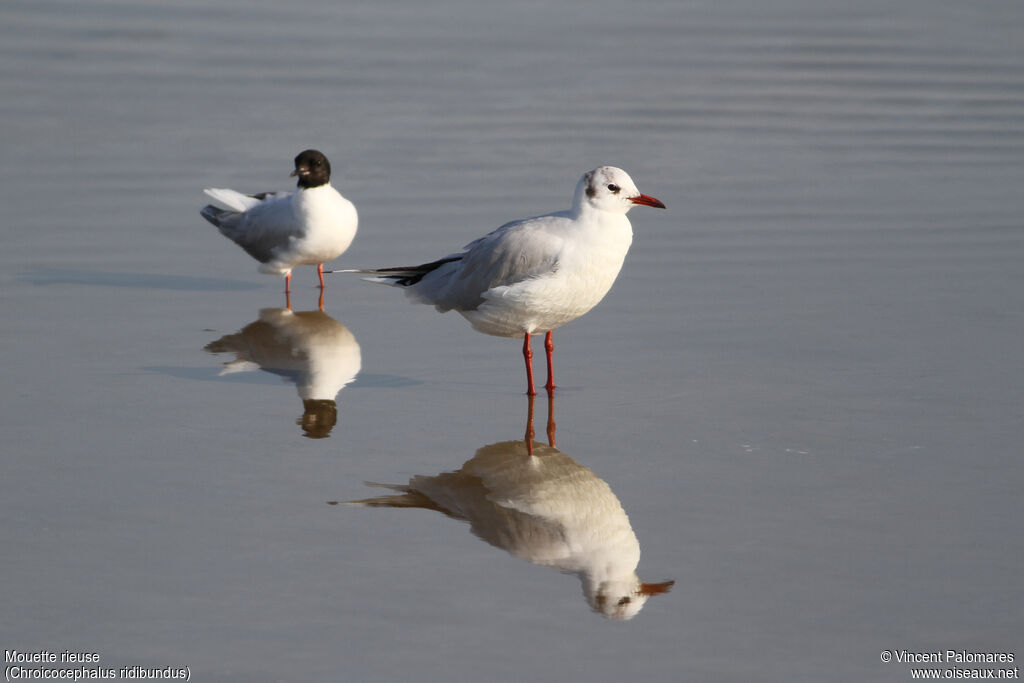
[610, 189]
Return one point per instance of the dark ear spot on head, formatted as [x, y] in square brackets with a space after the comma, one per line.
[588, 180]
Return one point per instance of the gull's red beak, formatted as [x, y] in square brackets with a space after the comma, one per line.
[647, 201]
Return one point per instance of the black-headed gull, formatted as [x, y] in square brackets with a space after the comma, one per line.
[282, 230]
[534, 275]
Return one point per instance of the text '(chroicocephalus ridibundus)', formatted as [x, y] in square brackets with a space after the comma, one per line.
[534, 275]
[282, 230]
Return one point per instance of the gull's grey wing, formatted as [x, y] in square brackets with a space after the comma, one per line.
[515, 252]
[263, 231]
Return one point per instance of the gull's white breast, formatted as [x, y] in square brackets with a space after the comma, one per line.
[330, 223]
[583, 273]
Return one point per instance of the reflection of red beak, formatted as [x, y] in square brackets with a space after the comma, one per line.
[655, 588]
[647, 201]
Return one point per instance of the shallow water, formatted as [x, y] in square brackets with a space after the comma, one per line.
[805, 389]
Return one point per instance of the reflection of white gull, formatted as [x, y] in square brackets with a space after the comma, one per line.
[282, 230]
[310, 348]
[534, 275]
[546, 509]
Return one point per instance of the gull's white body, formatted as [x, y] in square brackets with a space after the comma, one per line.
[532, 275]
[307, 227]
[536, 274]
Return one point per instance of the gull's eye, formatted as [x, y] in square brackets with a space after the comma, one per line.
[614, 188]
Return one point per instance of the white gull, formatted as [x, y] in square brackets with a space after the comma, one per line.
[282, 230]
[536, 274]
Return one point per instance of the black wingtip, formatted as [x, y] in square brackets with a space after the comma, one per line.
[411, 275]
[212, 214]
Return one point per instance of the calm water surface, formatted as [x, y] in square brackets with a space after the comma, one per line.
[805, 390]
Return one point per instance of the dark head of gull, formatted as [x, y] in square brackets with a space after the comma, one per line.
[312, 169]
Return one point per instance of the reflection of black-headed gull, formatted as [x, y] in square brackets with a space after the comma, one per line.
[543, 507]
[282, 230]
[534, 275]
[309, 348]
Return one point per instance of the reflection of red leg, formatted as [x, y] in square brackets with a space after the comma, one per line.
[288, 299]
[320, 273]
[549, 348]
[528, 355]
[320, 303]
[551, 420]
[529, 426]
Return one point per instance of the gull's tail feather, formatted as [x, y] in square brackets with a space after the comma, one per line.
[402, 276]
[235, 200]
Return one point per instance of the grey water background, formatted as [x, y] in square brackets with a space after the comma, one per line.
[805, 389]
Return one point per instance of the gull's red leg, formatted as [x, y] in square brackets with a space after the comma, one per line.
[549, 348]
[288, 282]
[320, 273]
[528, 356]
